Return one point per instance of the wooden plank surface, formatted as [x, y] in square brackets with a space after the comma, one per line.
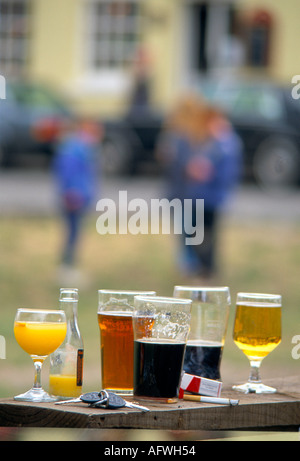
[254, 411]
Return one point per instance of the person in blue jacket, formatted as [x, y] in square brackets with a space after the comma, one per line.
[76, 171]
[203, 158]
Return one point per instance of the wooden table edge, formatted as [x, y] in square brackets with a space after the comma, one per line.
[249, 414]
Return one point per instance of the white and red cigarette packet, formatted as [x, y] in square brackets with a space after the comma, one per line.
[199, 385]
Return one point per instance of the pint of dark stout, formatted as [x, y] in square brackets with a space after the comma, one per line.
[210, 312]
[160, 327]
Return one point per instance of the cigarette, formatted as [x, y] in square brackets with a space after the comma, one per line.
[201, 398]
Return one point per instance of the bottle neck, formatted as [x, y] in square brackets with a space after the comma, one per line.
[68, 303]
[70, 309]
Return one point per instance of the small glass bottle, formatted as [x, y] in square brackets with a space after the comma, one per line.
[66, 363]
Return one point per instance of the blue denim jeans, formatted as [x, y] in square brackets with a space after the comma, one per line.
[200, 259]
[73, 221]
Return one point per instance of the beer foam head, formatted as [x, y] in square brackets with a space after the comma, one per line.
[163, 318]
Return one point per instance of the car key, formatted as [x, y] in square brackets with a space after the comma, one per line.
[89, 397]
[115, 401]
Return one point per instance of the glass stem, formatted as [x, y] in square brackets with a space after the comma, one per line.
[37, 373]
[254, 371]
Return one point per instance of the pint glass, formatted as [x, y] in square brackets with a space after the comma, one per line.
[115, 309]
[160, 327]
[210, 312]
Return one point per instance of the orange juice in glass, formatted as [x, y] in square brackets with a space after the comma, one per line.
[64, 385]
[39, 332]
[39, 338]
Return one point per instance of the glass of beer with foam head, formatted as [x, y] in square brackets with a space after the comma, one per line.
[115, 308]
[161, 326]
[257, 331]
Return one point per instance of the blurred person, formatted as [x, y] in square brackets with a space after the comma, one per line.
[202, 158]
[139, 96]
[76, 171]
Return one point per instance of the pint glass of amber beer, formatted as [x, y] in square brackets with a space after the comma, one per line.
[161, 326]
[115, 310]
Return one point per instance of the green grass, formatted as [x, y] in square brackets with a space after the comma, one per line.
[261, 257]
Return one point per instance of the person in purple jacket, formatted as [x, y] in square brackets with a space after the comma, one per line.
[203, 157]
[76, 172]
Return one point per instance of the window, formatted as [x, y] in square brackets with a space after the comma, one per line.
[14, 36]
[211, 37]
[113, 33]
[258, 39]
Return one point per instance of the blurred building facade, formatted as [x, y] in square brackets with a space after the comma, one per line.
[89, 48]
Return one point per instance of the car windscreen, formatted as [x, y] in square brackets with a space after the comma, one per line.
[251, 101]
[35, 97]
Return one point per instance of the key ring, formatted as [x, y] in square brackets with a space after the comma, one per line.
[105, 400]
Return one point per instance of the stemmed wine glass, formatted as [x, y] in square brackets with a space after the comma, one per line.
[257, 331]
[39, 332]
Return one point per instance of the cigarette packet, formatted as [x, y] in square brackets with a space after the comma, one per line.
[199, 385]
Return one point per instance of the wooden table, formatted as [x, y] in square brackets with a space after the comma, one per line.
[280, 411]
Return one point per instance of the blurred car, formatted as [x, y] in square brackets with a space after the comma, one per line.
[31, 117]
[267, 119]
[265, 116]
[129, 142]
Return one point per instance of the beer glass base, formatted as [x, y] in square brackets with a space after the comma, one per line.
[254, 388]
[35, 395]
